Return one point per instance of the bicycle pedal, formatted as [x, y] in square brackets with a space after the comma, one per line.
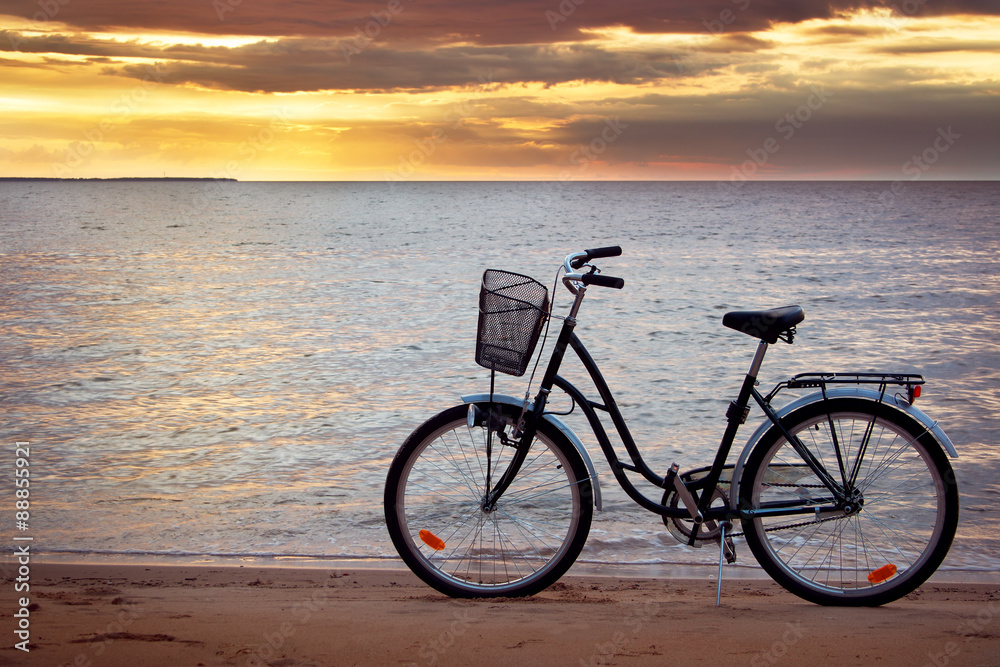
[729, 549]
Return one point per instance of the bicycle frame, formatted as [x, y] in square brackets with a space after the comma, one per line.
[706, 485]
[490, 499]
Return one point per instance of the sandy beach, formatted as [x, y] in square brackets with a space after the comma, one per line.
[108, 614]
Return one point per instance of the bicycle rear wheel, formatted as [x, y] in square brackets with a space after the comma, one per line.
[881, 545]
[434, 507]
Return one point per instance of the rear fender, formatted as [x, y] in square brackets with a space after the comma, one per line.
[840, 392]
[559, 424]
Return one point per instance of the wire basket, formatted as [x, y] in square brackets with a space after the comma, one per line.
[512, 310]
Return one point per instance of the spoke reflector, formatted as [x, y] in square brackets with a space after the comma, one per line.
[881, 574]
[436, 543]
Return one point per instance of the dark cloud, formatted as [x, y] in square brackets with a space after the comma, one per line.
[843, 134]
[841, 31]
[737, 43]
[427, 44]
[306, 64]
[293, 67]
[78, 45]
[940, 46]
[440, 21]
[836, 140]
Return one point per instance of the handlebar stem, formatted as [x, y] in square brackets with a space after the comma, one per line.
[580, 292]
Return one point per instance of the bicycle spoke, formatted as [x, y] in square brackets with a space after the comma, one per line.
[532, 532]
[896, 515]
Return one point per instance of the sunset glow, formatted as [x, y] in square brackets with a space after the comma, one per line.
[405, 89]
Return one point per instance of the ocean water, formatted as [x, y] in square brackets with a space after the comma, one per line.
[228, 368]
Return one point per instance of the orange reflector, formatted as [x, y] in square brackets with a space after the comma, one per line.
[436, 543]
[881, 574]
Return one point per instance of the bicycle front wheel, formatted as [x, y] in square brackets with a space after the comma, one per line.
[435, 513]
[880, 544]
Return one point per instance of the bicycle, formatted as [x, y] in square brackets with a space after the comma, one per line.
[845, 496]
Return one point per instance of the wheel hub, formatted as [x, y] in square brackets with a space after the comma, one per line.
[855, 502]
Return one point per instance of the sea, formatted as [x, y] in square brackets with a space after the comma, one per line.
[208, 370]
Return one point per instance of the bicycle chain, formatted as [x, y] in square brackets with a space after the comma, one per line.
[791, 525]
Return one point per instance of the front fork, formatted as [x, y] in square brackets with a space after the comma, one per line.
[521, 437]
[527, 426]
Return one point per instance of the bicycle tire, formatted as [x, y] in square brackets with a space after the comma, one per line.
[901, 526]
[436, 483]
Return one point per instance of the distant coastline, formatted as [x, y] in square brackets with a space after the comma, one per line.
[123, 178]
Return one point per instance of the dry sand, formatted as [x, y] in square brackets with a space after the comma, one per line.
[138, 615]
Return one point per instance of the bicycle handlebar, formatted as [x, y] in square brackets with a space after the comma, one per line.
[578, 260]
[595, 253]
[602, 281]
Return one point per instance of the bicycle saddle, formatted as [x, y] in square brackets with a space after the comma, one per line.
[768, 325]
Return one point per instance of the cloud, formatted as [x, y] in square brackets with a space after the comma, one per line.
[302, 64]
[31, 156]
[405, 45]
[436, 21]
[500, 84]
[939, 45]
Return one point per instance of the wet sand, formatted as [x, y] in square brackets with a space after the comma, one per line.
[107, 614]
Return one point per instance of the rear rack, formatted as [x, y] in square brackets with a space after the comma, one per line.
[911, 381]
[804, 380]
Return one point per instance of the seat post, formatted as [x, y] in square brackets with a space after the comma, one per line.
[758, 359]
[743, 400]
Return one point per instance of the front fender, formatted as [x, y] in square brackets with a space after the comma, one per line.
[559, 424]
[839, 392]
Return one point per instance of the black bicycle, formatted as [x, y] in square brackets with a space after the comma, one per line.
[845, 496]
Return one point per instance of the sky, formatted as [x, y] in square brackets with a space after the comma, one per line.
[501, 89]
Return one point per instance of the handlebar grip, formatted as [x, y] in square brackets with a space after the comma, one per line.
[609, 251]
[602, 281]
[597, 253]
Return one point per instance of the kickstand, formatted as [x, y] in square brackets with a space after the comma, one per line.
[722, 554]
[727, 549]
